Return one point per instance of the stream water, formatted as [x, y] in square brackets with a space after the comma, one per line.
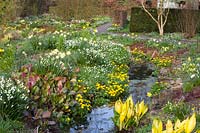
[100, 119]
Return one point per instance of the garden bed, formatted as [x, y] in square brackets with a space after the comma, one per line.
[55, 76]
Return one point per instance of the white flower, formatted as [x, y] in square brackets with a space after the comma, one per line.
[24, 53]
[62, 55]
[192, 76]
[68, 53]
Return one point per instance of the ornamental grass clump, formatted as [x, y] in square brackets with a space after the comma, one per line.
[186, 126]
[127, 115]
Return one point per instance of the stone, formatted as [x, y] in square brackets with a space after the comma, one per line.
[51, 123]
[46, 114]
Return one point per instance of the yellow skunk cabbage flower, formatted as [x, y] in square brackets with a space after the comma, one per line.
[121, 119]
[190, 124]
[169, 127]
[130, 113]
[123, 115]
[118, 106]
[129, 102]
[157, 126]
[179, 126]
[141, 109]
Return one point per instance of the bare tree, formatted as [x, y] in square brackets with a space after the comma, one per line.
[162, 14]
[189, 18]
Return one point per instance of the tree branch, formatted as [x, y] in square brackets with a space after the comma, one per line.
[148, 12]
[166, 16]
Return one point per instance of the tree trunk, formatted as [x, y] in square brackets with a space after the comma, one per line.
[161, 29]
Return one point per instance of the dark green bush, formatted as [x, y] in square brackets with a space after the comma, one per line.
[142, 22]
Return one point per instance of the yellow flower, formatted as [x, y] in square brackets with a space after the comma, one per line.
[1, 50]
[149, 94]
[95, 30]
[189, 59]
[68, 119]
[130, 113]
[190, 124]
[123, 114]
[169, 127]
[122, 117]
[118, 106]
[157, 126]
[141, 109]
[129, 102]
[179, 126]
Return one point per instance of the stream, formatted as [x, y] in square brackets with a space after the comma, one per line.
[100, 119]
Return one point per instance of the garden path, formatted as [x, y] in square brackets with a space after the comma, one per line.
[103, 28]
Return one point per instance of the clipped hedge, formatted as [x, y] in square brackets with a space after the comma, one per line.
[142, 22]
